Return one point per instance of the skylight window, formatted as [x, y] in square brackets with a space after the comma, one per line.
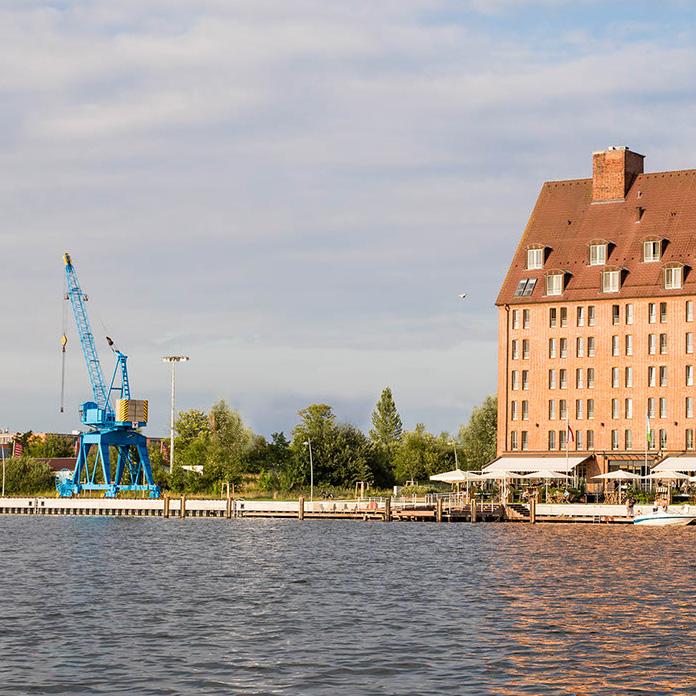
[525, 287]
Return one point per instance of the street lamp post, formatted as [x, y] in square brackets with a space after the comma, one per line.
[2, 448]
[173, 360]
[308, 442]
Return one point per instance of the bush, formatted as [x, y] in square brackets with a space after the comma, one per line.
[26, 476]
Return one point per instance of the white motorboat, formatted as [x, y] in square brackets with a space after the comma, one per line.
[659, 517]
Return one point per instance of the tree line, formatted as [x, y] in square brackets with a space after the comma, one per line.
[342, 454]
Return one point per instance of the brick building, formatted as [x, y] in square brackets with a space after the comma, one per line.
[596, 320]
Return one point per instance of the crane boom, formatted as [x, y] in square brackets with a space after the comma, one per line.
[84, 330]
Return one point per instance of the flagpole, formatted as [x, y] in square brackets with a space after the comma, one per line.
[647, 442]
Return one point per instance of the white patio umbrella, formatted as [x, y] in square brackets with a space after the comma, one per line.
[618, 475]
[547, 475]
[456, 476]
[667, 476]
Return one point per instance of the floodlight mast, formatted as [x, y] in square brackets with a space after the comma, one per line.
[173, 360]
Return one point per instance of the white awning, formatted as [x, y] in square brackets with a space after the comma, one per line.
[677, 464]
[529, 464]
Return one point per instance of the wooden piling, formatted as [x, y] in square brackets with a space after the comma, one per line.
[387, 509]
[473, 509]
[532, 510]
[300, 509]
[165, 510]
[438, 510]
[228, 505]
[182, 510]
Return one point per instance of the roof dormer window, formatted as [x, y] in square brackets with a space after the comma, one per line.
[652, 250]
[674, 277]
[611, 281]
[598, 254]
[554, 283]
[535, 258]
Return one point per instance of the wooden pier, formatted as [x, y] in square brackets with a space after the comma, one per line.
[438, 509]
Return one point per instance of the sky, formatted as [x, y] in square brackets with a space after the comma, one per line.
[295, 192]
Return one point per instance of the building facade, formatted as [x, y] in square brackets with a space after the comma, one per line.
[596, 320]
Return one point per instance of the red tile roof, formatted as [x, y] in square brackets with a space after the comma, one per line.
[565, 220]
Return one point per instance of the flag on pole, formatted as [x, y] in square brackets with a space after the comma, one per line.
[569, 433]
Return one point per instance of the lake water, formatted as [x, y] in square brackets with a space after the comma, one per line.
[141, 606]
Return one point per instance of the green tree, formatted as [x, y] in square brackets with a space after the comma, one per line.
[386, 422]
[190, 425]
[417, 456]
[50, 445]
[229, 443]
[478, 437]
[26, 476]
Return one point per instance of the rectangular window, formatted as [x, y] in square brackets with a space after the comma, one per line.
[590, 346]
[615, 409]
[515, 349]
[663, 375]
[615, 377]
[591, 315]
[628, 439]
[628, 344]
[689, 375]
[689, 406]
[554, 284]
[629, 313]
[515, 318]
[663, 344]
[615, 439]
[689, 342]
[578, 439]
[535, 259]
[562, 439]
[564, 347]
[689, 439]
[663, 312]
[525, 379]
[552, 379]
[651, 438]
[552, 409]
[563, 378]
[663, 407]
[590, 439]
[628, 408]
[651, 251]
[579, 409]
[614, 345]
[525, 318]
[673, 278]
[652, 344]
[628, 377]
[525, 410]
[564, 317]
[562, 409]
[513, 440]
[581, 316]
[689, 309]
[610, 281]
[615, 314]
[598, 254]
[652, 312]
[525, 287]
[651, 407]
[515, 379]
[552, 347]
[590, 377]
[652, 376]
[579, 378]
[553, 314]
[524, 440]
[552, 439]
[525, 349]
[663, 439]
[590, 409]
[513, 410]
[580, 347]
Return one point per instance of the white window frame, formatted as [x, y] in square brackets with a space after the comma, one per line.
[535, 259]
[674, 277]
[611, 281]
[554, 284]
[598, 254]
[652, 251]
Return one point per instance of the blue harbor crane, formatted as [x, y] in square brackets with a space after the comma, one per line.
[113, 418]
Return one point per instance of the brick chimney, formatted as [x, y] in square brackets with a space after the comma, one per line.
[613, 172]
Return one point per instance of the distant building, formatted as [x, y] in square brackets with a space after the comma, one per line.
[596, 320]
